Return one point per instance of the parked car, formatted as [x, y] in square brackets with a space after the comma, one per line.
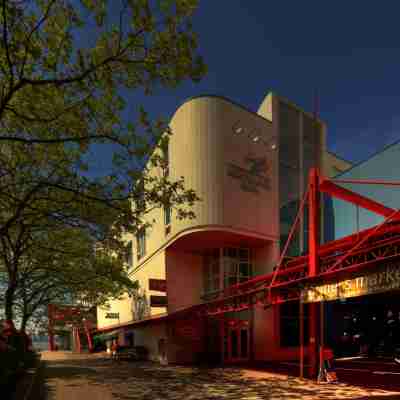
[136, 353]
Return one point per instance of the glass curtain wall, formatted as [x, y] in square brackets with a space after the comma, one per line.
[289, 174]
[299, 150]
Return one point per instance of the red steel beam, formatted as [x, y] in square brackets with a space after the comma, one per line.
[292, 231]
[331, 188]
[313, 231]
[393, 215]
[313, 264]
[366, 182]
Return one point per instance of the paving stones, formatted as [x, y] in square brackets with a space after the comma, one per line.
[91, 377]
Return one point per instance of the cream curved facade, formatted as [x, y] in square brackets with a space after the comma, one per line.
[202, 146]
[231, 157]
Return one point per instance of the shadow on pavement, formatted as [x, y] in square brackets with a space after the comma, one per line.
[133, 381]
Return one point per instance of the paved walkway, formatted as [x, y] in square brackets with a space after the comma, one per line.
[92, 377]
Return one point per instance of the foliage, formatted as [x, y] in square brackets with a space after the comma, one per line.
[65, 69]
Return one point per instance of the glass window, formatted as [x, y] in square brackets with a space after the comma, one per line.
[141, 243]
[140, 200]
[290, 324]
[167, 215]
[129, 254]
[211, 271]
[244, 254]
[166, 158]
[244, 343]
[234, 343]
[237, 266]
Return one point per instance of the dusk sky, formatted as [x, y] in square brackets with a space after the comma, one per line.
[347, 50]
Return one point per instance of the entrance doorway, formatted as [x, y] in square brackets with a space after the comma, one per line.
[236, 343]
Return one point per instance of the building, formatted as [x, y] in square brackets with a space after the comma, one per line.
[251, 171]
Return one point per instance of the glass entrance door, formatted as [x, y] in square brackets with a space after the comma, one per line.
[236, 344]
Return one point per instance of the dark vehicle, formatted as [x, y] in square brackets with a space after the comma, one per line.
[136, 353]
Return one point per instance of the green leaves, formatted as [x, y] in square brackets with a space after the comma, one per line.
[65, 71]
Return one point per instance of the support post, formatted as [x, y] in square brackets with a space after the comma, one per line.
[78, 341]
[222, 338]
[313, 245]
[301, 314]
[89, 338]
[50, 327]
[322, 373]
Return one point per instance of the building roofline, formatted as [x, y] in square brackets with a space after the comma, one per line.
[219, 97]
[339, 157]
[298, 108]
[387, 147]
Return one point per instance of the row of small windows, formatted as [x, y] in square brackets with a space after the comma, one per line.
[141, 205]
[140, 247]
[141, 240]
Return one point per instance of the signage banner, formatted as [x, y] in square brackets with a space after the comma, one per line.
[387, 278]
[112, 315]
[254, 177]
[159, 285]
[158, 301]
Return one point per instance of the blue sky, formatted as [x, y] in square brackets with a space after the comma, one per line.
[348, 51]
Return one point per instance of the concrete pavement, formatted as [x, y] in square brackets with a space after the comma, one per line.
[92, 377]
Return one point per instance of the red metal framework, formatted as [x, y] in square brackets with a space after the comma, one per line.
[350, 254]
[78, 317]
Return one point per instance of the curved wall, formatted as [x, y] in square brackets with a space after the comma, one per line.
[206, 151]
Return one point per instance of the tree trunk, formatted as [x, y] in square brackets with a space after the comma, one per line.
[9, 302]
[25, 319]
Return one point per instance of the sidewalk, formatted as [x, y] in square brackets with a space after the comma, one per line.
[92, 377]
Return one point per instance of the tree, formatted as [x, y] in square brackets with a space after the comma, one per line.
[62, 272]
[65, 67]
[63, 63]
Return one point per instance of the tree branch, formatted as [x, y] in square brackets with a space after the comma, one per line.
[5, 40]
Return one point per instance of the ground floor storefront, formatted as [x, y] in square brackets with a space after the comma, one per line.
[352, 313]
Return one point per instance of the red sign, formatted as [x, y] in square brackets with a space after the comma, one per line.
[159, 285]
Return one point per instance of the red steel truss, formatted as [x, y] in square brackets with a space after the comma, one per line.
[338, 258]
[77, 316]
[349, 254]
